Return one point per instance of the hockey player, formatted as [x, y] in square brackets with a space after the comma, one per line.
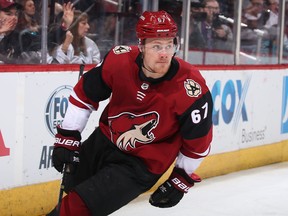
[159, 112]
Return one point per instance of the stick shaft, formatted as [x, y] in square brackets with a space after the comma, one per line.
[66, 168]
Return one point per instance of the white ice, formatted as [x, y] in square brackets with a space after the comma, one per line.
[261, 191]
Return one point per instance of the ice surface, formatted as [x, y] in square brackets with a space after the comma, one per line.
[260, 191]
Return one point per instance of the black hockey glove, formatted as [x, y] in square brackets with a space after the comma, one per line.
[66, 149]
[172, 190]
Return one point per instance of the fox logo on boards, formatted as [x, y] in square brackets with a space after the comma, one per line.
[56, 107]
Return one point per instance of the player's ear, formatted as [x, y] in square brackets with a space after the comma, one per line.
[141, 43]
[177, 44]
[140, 47]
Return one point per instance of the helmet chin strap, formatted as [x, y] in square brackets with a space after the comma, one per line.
[140, 46]
[150, 70]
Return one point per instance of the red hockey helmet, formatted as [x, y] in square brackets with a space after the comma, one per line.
[156, 24]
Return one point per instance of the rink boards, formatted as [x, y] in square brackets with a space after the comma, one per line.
[250, 119]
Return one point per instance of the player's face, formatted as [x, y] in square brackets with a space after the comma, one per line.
[157, 55]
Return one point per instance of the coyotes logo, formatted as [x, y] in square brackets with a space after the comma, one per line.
[128, 129]
[193, 89]
[121, 49]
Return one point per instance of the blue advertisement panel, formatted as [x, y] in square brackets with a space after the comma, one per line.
[284, 113]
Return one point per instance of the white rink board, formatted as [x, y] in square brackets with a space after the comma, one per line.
[24, 129]
[254, 100]
[25, 151]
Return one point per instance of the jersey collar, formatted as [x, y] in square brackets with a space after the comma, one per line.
[168, 76]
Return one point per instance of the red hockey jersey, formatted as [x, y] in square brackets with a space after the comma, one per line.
[153, 119]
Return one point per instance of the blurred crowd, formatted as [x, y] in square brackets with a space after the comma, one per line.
[82, 31]
[212, 23]
[67, 43]
[212, 28]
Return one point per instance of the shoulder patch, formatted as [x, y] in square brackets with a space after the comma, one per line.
[121, 49]
[193, 89]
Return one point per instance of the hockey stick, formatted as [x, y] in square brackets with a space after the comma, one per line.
[66, 168]
[81, 71]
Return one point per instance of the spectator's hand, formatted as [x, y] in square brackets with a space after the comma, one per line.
[68, 40]
[7, 24]
[68, 14]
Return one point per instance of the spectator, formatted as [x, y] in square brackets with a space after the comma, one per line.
[8, 20]
[256, 10]
[9, 11]
[26, 16]
[27, 27]
[196, 39]
[77, 48]
[273, 13]
[211, 33]
[254, 34]
[25, 48]
[271, 26]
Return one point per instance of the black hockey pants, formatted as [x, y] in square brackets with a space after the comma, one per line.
[107, 178]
